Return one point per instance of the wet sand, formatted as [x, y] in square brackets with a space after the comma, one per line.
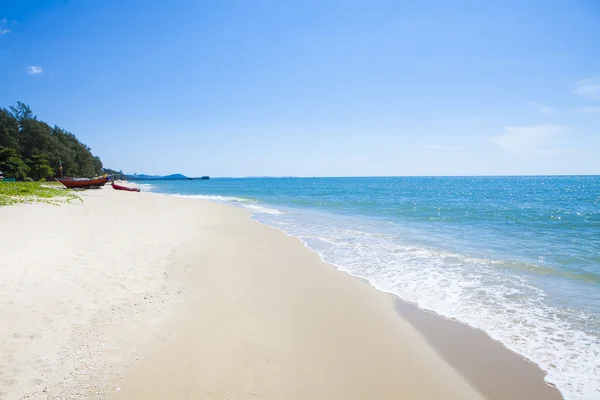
[492, 369]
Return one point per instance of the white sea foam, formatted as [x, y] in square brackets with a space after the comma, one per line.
[482, 293]
[325, 240]
[221, 199]
[263, 210]
[239, 201]
[145, 187]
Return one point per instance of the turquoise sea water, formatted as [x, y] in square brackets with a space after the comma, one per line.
[518, 257]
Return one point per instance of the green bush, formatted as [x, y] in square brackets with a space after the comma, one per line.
[11, 164]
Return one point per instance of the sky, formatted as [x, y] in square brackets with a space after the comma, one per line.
[313, 88]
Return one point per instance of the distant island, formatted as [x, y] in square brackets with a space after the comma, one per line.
[119, 175]
[144, 176]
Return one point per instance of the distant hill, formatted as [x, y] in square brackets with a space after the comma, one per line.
[175, 176]
[144, 176]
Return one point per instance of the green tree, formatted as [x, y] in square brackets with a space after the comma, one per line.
[34, 141]
[39, 168]
[9, 130]
[76, 157]
[11, 164]
[22, 112]
[36, 137]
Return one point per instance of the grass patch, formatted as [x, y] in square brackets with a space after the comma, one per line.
[12, 193]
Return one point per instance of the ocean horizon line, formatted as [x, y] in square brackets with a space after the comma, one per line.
[399, 176]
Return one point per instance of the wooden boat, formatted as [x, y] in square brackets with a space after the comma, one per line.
[129, 189]
[83, 183]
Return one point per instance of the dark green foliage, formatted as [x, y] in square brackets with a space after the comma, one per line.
[43, 147]
[35, 137]
[39, 168]
[11, 165]
[22, 112]
[9, 130]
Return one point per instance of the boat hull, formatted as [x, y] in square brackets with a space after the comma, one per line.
[125, 188]
[83, 183]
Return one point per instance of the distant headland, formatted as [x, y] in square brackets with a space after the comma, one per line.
[145, 177]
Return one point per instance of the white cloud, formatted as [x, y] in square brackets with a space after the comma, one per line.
[541, 108]
[520, 138]
[34, 70]
[587, 110]
[3, 30]
[589, 88]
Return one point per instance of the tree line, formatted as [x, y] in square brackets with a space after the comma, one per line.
[31, 149]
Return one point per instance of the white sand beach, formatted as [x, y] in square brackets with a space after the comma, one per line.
[145, 296]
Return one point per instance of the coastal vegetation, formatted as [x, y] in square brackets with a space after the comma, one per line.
[115, 174]
[31, 149]
[12, 193]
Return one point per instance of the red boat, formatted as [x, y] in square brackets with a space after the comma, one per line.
[129, 189]
[83, 183]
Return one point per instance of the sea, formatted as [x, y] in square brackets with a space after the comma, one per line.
[518, 257]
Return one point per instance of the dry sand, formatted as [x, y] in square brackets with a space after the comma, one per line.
[82, 286]
[141, 296]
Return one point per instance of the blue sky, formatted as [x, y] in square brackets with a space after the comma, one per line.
[313, 88]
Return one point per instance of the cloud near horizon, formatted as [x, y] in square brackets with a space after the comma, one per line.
[521, 138]
[589, 88]
[34, 70]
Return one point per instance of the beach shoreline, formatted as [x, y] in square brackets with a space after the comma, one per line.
[243, 310]
[517, 370]
[512, 380]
